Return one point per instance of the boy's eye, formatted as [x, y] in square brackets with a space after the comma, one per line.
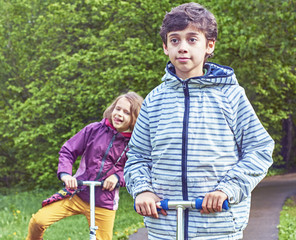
[174, 40]
[192, 40]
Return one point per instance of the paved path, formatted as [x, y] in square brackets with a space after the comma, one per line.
[267, 201]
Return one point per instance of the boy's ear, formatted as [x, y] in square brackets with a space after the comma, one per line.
[165, 49]
[211, 46]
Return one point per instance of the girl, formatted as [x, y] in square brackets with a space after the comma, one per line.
[102, 147]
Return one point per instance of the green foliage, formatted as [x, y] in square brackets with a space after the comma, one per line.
[63, 62]
[258, 40]
[287, 226]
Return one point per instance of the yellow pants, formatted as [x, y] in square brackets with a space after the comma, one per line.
[65, 208]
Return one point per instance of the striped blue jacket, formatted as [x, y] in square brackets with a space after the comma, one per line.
[193, 137]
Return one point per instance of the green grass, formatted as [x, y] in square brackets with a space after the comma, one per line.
[274, 172]
[16, 209]
[287, 226]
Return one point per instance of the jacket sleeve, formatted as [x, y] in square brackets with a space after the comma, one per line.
[255, 148]
[118, 170]
[137, 171]
[71, 149]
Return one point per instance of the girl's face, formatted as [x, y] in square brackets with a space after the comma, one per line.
[121, 115]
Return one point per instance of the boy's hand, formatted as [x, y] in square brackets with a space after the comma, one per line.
[213, 202]
[110, 183]
[146, 204]
[70, 182]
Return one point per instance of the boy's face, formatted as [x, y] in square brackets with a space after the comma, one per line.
[187, 50]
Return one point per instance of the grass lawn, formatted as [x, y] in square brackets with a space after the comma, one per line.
[287, 226]
[16, 209]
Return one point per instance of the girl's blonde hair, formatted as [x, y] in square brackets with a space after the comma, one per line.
[136, 103]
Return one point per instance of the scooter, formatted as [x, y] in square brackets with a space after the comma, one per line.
[92, 184]
[180, 207]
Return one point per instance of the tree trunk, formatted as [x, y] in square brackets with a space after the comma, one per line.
[289, 143]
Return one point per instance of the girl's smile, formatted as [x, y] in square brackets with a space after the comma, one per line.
[121, 116]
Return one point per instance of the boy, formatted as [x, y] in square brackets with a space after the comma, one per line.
[196, 135]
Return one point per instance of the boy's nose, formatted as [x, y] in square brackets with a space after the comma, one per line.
[183, 47]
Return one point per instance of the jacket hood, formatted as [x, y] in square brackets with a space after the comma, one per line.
[215, 74]
[125, 134]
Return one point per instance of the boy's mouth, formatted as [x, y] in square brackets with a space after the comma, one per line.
[183, 59]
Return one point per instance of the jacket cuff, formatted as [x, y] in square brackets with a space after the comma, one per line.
[141, 187]
[61, 174]
[117, 177]
[232, 195]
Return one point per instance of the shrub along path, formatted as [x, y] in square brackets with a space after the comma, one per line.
[267, 201]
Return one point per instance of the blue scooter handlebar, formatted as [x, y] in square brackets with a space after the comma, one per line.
[195, 204]
[167, 204]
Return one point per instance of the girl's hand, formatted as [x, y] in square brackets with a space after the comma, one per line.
[110, 183]
[146, 204]
[70, 182]
[213, 202]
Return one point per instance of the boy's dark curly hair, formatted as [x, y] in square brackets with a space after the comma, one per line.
[190, 13]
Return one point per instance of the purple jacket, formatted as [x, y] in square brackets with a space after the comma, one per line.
[100, 146]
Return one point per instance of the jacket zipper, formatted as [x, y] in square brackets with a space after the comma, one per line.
[184, 153]
[105, 156]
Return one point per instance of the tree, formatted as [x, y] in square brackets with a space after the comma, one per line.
[16, 23]
[258, 41]
[63, 62]
[79, 60]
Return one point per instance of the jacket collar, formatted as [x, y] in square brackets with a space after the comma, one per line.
[125, 134]
[215, 74]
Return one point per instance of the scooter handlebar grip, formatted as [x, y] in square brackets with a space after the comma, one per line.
[79, 182]
[225, 205]
[198, 204]
[164, 204]
[116, 186]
